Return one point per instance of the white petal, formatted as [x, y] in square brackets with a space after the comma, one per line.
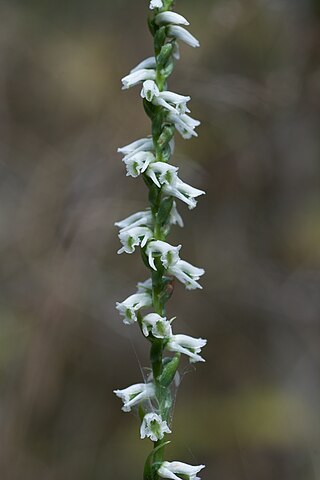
[149, 62]
[182, 34]
[171, 17]
[156, 4]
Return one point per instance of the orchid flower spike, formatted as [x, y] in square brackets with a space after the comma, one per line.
[159, 326]
[153, 427]
[168, 254]
[135, 394]
[129, 307]
[178, 470]
[187, 345]
[150, 158]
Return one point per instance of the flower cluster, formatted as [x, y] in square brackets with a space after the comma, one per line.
[147, 231]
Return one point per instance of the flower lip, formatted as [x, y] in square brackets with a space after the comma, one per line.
[154, 427]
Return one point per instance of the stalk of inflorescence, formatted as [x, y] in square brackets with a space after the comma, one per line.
[149, 157]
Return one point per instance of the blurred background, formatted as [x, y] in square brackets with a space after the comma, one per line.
[252, 411]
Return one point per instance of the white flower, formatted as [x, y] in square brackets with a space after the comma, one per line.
[188, 345]
[156, 4]
[182, 34]
[169, 255]
[187, 274]
[149, 90]
[179, 102]
[144, 144]
[174, 217]
[138, 76]
[135, 394]
[153, 427]
[133, 237]
[174, 470]
[129, 307]
[162, 173]
[171, 17]
[145, 287]
[171, 101]
[138, 163]
[149, 62]
[184, 124]
[184, 192]
[159, 326]
[138, 219]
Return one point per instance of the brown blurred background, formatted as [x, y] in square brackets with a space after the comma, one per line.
[252, 411]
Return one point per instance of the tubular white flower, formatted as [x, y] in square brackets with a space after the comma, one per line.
[138, 163]
[144, 144]
[171, 17]
[145, 287]
[138, 76]
[149, 62]
[149, 90]
[162, 173]
[129, 307]
[171, 101]
[153, 427]
[184, 192]
[176, 51]
[187, 274]
[159, 326]
[173, 470]
[138, 219]
[133, 237]
[184, 124]
[175, 217]
[156, 4]
[182, 34]
[169, 255]
[188, 345]
[135, 394]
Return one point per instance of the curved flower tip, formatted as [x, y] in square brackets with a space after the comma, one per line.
[187, 345]
[135, 394]
[187, 274]
[138, 76]
[180, 33]
[174, 471]
[153, 427]
[171, 17]
[155, 4]
[129, 307]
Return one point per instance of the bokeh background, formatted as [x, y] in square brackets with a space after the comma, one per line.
[252, 411]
